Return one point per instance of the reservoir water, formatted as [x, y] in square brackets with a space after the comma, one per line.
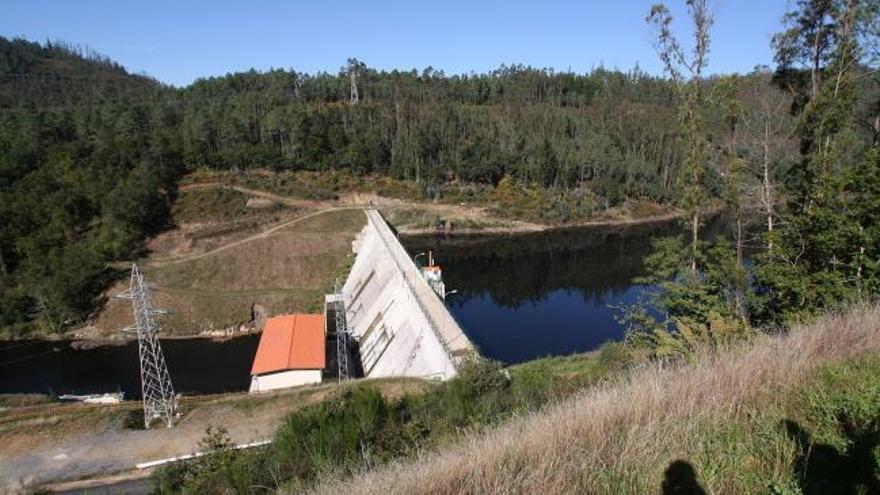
[197, 366]
[519, 297]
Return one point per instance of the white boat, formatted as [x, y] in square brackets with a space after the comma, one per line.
[95, 398]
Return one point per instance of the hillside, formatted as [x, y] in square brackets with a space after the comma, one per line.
[90, 156]
[88, 164]
[792, 414]
[58, 74]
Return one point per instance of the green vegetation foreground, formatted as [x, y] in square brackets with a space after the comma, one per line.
[792, 414]
[798, 413]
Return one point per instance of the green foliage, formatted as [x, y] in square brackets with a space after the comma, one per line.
[87, 161]
[834, 425]
[337, 434]
[687, 311]
[821, 437]
[825, 252]
[221, 469]
[359, 428]
[91, 154]
[553, 130]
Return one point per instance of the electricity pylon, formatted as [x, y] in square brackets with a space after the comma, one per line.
[341, 336]
[156, 388]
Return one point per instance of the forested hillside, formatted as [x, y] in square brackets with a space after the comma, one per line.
[90, 154]
[612, 130]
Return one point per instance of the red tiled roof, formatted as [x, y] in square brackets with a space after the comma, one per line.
[291, 342]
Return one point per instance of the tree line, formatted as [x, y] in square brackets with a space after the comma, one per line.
[817, 216]
[606, 128]
[90, 154]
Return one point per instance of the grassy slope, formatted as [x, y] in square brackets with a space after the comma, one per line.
[216, 264]
[209, 287]
[789, 414]
[469, 208]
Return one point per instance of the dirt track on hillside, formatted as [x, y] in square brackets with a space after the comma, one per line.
[262, 235]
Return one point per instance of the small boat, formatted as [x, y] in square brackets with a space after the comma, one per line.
[94, 398]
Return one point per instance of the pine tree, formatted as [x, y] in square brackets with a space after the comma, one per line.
[821, 260]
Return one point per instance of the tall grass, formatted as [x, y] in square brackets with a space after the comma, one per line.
[744, 420]
[360, 429]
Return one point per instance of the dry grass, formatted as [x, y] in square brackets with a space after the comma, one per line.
[286, 268]
[620, 437]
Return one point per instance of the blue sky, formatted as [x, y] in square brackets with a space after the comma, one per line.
[179, 41]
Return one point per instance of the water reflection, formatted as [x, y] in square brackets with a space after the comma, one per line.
[54, 367]
[527, 296]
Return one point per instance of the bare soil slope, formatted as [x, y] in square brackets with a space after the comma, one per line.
[216, 274]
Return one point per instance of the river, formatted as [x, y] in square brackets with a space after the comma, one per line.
[519, 297]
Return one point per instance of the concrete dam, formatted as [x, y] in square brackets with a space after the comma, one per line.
[401, 325]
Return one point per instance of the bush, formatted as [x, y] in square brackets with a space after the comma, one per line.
[222, 468]
[359, 428]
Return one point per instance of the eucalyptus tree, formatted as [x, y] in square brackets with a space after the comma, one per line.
[686, 71]
[827, 241]
[768, 128]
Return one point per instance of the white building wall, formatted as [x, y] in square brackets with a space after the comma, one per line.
[284, 379]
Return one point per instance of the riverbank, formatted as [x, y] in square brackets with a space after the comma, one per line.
[516, 227]
[229, 262]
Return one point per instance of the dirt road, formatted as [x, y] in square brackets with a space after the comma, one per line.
[72, 442]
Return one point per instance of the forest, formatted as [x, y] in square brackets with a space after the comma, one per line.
[90, 156]
[90, 153]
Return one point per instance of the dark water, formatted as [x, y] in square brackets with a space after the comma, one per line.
[196, 365]
[527, 296]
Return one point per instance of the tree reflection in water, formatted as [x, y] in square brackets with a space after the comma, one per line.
[530, 295]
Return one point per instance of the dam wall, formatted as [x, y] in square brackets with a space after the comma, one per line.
[401, 325]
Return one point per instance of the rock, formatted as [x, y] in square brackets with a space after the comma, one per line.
[259, 316]
[259, 203]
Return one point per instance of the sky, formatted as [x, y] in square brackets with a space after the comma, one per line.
[179, 41]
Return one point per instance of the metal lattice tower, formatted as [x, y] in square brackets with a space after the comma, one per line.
[156, 389]
[341, 336]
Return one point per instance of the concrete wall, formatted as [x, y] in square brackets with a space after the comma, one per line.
[284, 379]
[401, 325]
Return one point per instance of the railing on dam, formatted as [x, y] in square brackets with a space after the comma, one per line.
[444, 326]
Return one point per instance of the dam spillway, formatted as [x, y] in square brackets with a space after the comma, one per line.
[401, 325]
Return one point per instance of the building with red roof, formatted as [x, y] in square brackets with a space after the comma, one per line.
[292, 352]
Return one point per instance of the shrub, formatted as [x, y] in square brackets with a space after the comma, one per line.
[359, 428]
